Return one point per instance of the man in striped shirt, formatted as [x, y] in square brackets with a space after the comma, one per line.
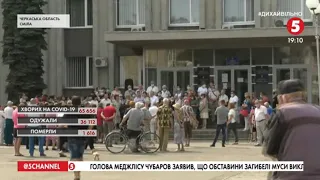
[188, 117]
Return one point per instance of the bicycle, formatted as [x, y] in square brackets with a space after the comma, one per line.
[145, 140]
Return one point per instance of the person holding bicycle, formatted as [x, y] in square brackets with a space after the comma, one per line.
[134, 119]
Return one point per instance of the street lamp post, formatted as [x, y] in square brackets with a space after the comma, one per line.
[314, 7]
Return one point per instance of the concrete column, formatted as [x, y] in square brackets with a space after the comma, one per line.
[218, 14]
[52, 52]
[4, 70]
[46, 57]
[96, 33]
[60, 71]
[257, 9]
[103, 48]
[108, 76]
[148, 15]
[164, 14]
[202, 8]
[156, 15]
[210, 14]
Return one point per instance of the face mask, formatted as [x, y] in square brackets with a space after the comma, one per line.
[152, 85]
[130, 88]
[189, 88]
[232, 95]
[204, 86]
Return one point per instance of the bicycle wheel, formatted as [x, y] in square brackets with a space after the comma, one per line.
[149, 142]
[116, 142]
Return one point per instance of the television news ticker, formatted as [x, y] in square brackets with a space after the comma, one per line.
[36, 132]
[55, 110]
[153, 166]
[44, 121]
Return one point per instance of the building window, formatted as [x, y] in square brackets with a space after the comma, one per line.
[79, 72]
[184, 12]
[238, 12]
[80, 13]
[294, 6]
[131, 13]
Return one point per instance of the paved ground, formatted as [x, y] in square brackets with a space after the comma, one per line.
[200, 151]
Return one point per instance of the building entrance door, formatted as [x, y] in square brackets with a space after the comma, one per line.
[233, 78]
[173, 78]
[302, 72]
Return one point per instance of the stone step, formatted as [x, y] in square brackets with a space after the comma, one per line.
[209, 134]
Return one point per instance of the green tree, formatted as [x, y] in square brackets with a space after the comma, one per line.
[22, 49]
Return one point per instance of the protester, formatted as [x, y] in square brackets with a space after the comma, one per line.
[147, 118]
[54, 140]
[291, 132]
[41, 139]
[76, 145]
[164, 115]
[108, 114]
[178, 127]
[100, 136]
[260, 116]
[153, 123]
[2, 125]
[188, 121]
[8, 128]
[134, 119]
[222, 118]
[232, 123]
[17, 142]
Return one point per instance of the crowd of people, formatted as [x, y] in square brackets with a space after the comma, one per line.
[181, 112]
[282, 127]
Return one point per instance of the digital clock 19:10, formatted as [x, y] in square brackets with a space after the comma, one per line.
[295, 40]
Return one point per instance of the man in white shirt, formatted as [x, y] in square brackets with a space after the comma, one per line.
[8, 130]
[234, 99]
[152, 88]
[153, 99]
[165, 93]
[2, 122]
[260, 119]
[153, 123]
[129, 93]
[223, 97]
[105, 100]
[202, 89]
[213, 97]
[94, 101]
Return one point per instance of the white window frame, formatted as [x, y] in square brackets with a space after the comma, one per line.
[191, 24]
[238, 22]
[137, 18]
[303, 5]
[123, 73]
[85, 17]
[87, 75]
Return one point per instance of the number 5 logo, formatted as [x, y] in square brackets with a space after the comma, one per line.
[295, 26]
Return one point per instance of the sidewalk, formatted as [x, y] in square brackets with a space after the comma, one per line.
[199, 151]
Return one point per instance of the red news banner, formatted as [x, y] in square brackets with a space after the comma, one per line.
[43, 166]
[57, 119]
